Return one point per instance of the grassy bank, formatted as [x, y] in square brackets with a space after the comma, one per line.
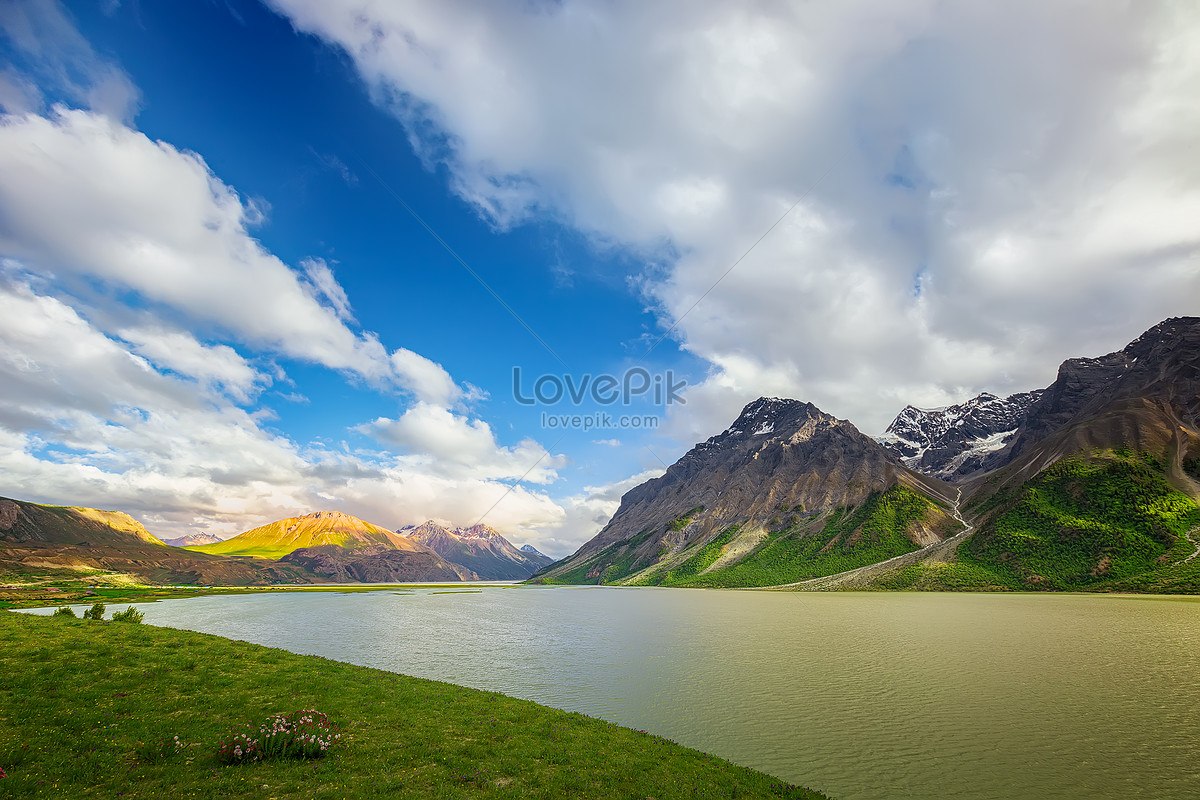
[83, 706]
[65, 593]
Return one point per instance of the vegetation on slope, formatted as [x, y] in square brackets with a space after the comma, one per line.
[875, 531]
[91, 709]
[1096, 523]
[277, 539]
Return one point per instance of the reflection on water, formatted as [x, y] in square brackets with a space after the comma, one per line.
[860, 695]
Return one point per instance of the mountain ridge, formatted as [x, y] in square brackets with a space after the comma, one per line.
[480, 548]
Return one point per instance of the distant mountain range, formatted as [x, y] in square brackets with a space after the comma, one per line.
[192, 538]
[1092, 483]
[954, 441]
[480, 549]
[62, 541]
[320, 547]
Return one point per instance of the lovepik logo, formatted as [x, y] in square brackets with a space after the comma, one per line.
[604, 389]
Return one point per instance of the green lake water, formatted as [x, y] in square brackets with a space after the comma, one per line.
[861, 695]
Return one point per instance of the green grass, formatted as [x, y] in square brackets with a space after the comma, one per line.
[619, 560]
[943, 577]
[71, 592]
[86, 707]
[1080, 524]
[851, 538]
[704, 558]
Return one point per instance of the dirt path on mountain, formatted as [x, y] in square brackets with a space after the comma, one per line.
[1192, 537]
[862, 576]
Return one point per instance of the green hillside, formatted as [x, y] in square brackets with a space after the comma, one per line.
[880, 528]
[92, 709]
[312, 530]
[1111, 521]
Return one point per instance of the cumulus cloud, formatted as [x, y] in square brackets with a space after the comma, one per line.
[584, 515]
[985, 190]
[451, 445]
[92, 419]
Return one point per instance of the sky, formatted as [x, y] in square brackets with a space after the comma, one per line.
[501, 262]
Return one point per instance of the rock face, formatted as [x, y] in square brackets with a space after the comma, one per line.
[478, 548]
[780, 462]
[950, 442]
[1146, 396]
[193, 538]
[377, 564]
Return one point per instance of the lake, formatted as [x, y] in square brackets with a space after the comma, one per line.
[864, 696]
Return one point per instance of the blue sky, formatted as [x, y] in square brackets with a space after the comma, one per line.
[218, 311]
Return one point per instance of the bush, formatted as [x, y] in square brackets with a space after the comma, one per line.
[130, 614]
[159, 750]
[95, 612]
[300, 734]
[63, 612]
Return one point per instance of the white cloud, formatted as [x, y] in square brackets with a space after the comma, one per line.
[84, 420]
[81, 195]
[1004, 186]
[320, 276]
[447, 444]
[584, 515]
[211, 365]
[45, 39]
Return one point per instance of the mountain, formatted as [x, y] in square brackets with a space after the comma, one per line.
[537, 555]
[71, 541]
[378, 564]
[193, 538]
[787, 492]
[954, 441]
[342, 547]
[478, 548]
[281, 537]
[1145, 396]
[1098, 488]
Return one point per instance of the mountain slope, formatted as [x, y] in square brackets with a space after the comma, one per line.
[281, 537]
[781, 478]
[955, 441]
[60, 540]
[341, 547]
[478, 548]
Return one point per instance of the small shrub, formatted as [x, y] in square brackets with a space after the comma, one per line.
[95, 612]
[160, 749]
[300, 734]
[130, 614]
[64, 612]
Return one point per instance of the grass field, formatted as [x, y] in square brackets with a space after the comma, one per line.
[86, 708]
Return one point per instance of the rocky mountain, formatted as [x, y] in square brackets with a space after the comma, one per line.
[63, 541]
[340, 546]
[785, 482]
[1098, 488]
[277, 539]
[532, 552]
[377, 564]
[479, 548]
[193, 538]
[951, 442]
[1145, 396]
